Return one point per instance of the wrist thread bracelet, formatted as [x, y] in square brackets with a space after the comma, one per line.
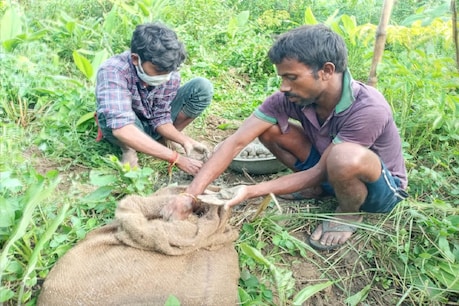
[173, 161]
[194, 198]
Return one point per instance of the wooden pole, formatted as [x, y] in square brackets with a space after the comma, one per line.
[380, 40]
[454, 26]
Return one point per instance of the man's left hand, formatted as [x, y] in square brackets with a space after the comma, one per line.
[196, 146]
[228, 197]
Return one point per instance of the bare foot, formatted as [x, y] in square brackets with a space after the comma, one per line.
[331, 234]
[130, 157]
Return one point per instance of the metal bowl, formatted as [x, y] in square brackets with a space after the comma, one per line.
[256, 165]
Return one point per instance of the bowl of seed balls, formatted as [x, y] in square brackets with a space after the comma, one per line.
[256, 159]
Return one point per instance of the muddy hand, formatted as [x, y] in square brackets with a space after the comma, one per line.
[238, 194]
[179, 208]
[189, 165]
[227, 196]
[196, 146]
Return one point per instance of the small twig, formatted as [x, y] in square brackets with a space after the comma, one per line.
[247, 175]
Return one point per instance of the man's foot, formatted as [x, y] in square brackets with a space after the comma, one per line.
[130, 157]
[305, 194]
[332, 234]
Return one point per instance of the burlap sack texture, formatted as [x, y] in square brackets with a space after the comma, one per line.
[141, 259]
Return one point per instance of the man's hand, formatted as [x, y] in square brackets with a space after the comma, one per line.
[228, 197]
[179, 209]
[193, 145]
[238, 194]
[189, 165]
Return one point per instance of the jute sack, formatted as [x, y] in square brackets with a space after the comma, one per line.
[141, 259]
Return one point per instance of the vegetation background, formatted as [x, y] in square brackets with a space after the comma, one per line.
[56, 183]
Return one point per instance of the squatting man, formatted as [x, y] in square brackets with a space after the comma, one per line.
[337, 135]
[141, 105]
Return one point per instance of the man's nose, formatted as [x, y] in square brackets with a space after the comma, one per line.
[285, 87]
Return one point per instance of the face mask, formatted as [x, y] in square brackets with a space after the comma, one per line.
[151, 80]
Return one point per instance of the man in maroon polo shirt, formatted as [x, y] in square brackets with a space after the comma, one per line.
[342, 142]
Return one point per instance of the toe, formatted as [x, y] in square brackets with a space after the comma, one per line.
[332, 238]
[317, 233]
[327, 239]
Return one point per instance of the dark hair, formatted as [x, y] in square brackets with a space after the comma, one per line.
[312, 45]
[158, 44]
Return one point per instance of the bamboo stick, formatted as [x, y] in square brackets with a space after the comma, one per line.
[380, 40]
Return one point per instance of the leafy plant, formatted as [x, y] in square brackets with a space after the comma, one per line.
[13, 29]
[24, 96]
[120, 180]
[282, 277]
[15, 229]
[277, 283]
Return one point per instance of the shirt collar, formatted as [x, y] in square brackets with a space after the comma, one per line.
[347, 96]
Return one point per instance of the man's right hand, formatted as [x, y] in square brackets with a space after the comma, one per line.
[178, 209]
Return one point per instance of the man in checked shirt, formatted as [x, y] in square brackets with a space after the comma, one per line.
[140, 103]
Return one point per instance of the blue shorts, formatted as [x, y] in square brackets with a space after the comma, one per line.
[383, 194]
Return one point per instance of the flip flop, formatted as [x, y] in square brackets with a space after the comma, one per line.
[325, 229]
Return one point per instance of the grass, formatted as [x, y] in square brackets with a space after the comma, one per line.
[57, 183]
[379, 258]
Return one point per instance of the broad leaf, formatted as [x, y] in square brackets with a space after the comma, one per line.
[83, 64]
[6, 294]
[359, 297]
[7, 213]
[309, 17]
[10, 24]
[100, 194]
[84, 118]
[99, 178]
[172, 300]
[309, 291]
[98, 59]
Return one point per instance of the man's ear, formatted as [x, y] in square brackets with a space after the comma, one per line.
[328, 70]
[135, 59]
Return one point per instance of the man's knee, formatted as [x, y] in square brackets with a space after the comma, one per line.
[203, 89]
[203, 85]
[202, 93]
[350, 159]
